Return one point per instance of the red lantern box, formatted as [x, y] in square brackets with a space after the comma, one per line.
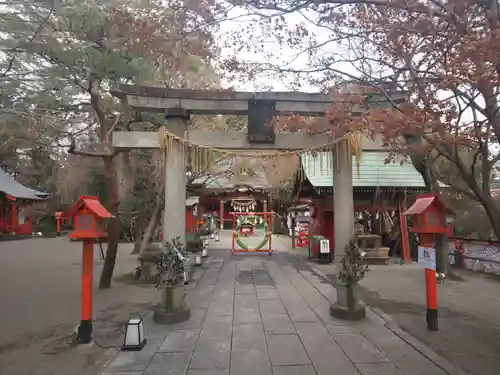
[88, 216]
[430, 215]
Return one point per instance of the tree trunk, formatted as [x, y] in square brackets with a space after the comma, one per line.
[423, 165]
[493, 213]
[442, 260]
[113, 225]
[139, 229]
[153, 223]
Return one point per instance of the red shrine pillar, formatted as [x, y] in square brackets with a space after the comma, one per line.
[221, 213]
[14, 220]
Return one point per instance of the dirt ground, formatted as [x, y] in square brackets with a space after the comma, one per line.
[40, 308]
[469, 319]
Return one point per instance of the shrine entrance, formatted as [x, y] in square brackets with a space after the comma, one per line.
[195, 147]
[252, 232]
[181, 147]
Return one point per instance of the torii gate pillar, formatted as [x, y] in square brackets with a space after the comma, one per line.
[343, 216]
[343, 206]
[175, 177]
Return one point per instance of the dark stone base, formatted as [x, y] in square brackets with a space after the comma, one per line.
[163, 317]
[343, 313]
[432, 320]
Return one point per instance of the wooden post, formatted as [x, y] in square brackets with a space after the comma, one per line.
[405, 243]
[175, 178]
[221, 213]
[264, 209]
[85, 327]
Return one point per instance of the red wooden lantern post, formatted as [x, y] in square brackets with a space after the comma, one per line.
[430, 218]
[59, 220]
[88, 216]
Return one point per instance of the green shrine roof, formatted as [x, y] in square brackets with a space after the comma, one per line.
[373, 172]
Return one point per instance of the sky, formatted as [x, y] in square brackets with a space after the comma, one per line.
[283, 54]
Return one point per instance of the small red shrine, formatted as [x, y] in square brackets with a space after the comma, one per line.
[16, 201]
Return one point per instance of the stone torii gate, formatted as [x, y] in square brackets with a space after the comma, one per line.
[179, 104]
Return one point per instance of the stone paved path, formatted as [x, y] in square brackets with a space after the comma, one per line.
[263, 315]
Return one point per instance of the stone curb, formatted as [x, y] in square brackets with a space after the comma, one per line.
[416, 344]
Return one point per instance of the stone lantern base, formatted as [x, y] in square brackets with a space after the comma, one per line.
[347, 306]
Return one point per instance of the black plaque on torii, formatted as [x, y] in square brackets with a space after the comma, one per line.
[260, 127]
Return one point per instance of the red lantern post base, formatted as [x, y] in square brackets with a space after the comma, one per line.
[84, 334]
[431, 315]
[85, 327]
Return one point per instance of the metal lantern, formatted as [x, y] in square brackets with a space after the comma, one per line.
[134, 335]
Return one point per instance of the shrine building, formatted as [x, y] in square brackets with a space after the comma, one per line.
[16, 201]
[232, 187]
[381, 192]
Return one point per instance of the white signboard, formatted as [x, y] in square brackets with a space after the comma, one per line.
[324, 246]
[427, 257]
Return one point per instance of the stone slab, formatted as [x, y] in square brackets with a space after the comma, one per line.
[244, 289]
[216, 325]
[326, 355]
[245, 315]
[399, 352]
[246, 300]
[214, 344]
[249, 336]
[134, 360]
[159, 371]
[301, 312]
[343, 329]
[211, 354]
[271, 307]
[207, 372]
[263, 294]
[359, 349]
[250, 362]
[286, 350]
[288, 294]
[294, 370]
[167, 362]
[180, 341]
[220, 307]
[154, 330]
[378, 369]
[278, 324]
